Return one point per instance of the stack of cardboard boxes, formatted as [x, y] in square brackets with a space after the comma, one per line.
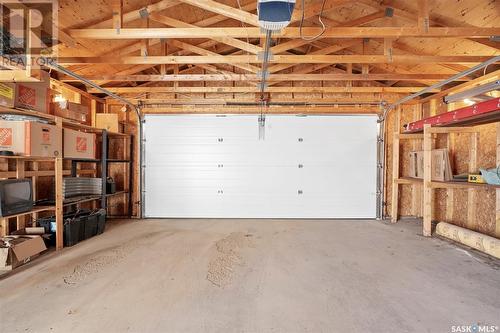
[38, 139]
[32, 96]
[31, 138]
[36, 96]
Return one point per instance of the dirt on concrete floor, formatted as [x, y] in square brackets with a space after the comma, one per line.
[254, 276]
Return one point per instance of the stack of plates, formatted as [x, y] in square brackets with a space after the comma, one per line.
[77, 186]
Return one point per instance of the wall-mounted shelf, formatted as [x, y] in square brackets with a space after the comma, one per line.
[104, 161]
[424, 188]
[36, 209]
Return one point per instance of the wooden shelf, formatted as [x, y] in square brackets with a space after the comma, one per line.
[80, 199]
[66, 122]
[22, 112]
[408, 180]
[36, 209]
[76, 125]
[31, 158]
[87, 198]
[117, 161]
[411, 136]
[463, 185]
[116, 193]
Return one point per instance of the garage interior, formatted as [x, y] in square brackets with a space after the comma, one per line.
[250, 166]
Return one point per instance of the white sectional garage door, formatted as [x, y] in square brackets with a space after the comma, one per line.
[216, 166]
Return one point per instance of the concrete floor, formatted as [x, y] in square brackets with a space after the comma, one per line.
[254, 276]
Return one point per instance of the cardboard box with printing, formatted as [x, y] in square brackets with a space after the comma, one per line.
[30, 138]
[33, 95]
[69, 110]
[7, 94]
[79, 144]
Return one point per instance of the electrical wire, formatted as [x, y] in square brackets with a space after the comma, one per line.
[323, 26]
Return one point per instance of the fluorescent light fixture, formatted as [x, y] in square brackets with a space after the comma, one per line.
[470, 93]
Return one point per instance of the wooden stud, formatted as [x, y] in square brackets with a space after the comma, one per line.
[388, 49]
[427, 215]
[497, 220]
[349, 72]
[450, 192]
[164, 51]
[20, 173]
[471, 193]
[416, 189]
[395, 167]
[58, 180]
[423, 15]
[117, 6]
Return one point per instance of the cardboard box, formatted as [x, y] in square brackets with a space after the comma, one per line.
[16, 250]
[7, 94]
[30, 138]
[79, 144]
[34, 95]
[107, 121]
[69, 110]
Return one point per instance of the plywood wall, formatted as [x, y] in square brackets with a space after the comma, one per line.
[449, 206]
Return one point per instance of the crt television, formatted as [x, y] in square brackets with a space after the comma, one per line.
[15, 196]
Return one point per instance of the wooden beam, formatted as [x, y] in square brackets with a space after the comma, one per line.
[268, 110]
[133, 90]
[225, 40]
[136, 13]
[203, 52]
[440, 21]
[480, 80]
[272, 77]
[343, 100]
[292, 32]
[222, 9]
[214, 58]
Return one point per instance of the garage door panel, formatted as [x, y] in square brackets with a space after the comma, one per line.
[307, 167]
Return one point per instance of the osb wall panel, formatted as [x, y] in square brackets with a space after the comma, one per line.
[484, 219]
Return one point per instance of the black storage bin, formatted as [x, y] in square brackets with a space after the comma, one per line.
[90, 226]
[72, 230]
[46, 223]
[74, 227]
[101, 221]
